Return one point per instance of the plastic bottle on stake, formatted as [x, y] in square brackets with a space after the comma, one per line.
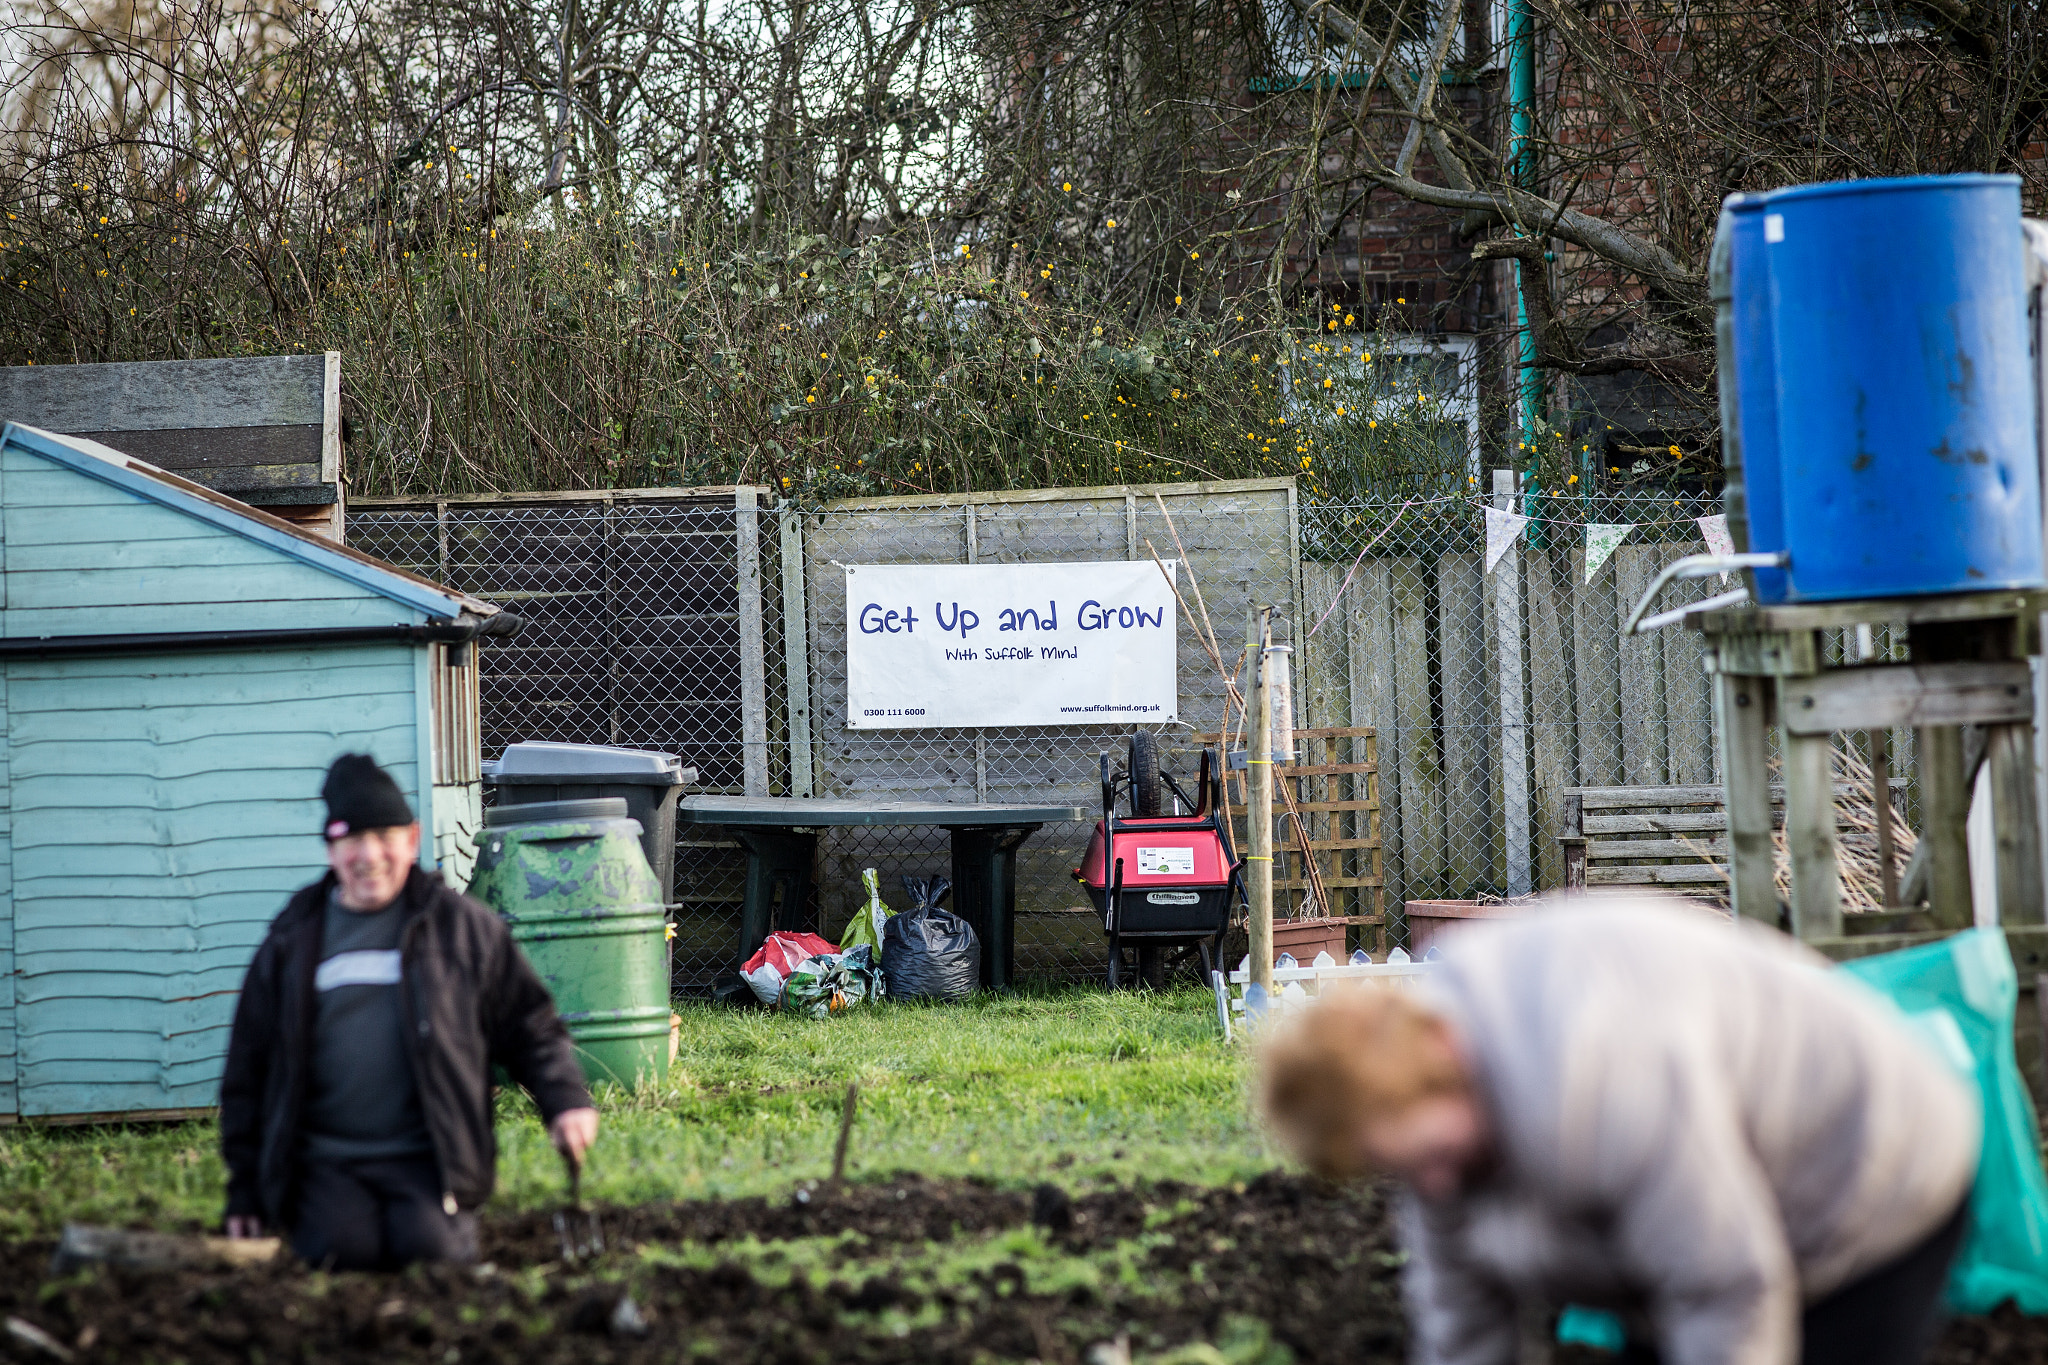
[1279, 675]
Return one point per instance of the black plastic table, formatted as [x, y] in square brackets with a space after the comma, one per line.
[780, 835]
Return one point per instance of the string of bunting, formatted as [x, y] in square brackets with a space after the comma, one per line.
[1603, 538]
[1484, 505]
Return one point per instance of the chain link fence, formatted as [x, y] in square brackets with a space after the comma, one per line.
[1451, 709]
[653, 619]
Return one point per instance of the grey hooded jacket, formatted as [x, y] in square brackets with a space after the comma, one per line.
[1703, 1126]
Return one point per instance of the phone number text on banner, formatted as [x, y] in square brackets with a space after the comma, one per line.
[1010, 644]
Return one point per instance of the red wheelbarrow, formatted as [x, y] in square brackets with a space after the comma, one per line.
[1164, 882]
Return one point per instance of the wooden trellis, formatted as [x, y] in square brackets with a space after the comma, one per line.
[1334, 786]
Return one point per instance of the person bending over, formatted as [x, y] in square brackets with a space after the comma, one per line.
[1638, 1107]
[355, 1111]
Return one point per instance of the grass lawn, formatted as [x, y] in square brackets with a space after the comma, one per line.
[1075, 1085]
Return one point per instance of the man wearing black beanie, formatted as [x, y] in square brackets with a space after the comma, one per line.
[356, 1105]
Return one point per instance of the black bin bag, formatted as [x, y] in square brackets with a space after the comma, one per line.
[929, 953]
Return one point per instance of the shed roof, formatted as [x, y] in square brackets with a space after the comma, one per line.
[160, 486]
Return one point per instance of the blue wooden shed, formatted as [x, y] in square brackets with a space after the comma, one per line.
[177, 670]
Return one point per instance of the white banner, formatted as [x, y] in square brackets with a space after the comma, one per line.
[1009, 644]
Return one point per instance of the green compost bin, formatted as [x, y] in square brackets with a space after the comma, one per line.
[571, 880]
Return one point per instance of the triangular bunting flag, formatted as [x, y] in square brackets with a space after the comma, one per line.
[1603, 540]
[1714, 530]
[1503, 529]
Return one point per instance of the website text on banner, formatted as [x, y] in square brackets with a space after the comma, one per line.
[1009, 644]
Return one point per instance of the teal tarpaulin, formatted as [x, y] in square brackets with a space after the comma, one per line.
[1960, 994]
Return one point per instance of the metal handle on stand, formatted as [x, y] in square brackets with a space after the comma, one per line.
[1701, 566]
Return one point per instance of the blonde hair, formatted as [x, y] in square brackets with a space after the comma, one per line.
[1351, 1056]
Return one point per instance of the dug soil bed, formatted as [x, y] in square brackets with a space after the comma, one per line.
[902, 1269]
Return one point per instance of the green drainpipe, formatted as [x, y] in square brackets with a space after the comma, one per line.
[1522, 172]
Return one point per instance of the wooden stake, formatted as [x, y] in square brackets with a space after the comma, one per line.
[1259, 816]
[1881, 807]
[1945, 783]
[845, 1131]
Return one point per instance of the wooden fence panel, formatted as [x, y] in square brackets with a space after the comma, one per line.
[1416, 734]
[1370, 609]
[1688, 696]
[1596, 651]
[1547, 574]
[1471, 728]
[1642, 670]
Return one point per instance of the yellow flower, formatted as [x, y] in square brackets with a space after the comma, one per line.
[1176, 300]
[1192, 255]
[1326, 383]
[1098, 332]
[1023, 293]
[1372, 424]
[810, 398]
[1333, 324]
[1400, 300]
[1045, 274]
[1573, 479]
[1675, 452]
[1112, 222]
[1614, 469]
[1255, 357]
[1068, 187]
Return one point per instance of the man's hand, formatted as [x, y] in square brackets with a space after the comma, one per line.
[244, 1225]
[573, 1131]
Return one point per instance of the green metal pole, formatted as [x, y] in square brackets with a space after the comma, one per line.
[1522, 173]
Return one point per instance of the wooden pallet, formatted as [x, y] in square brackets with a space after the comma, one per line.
[1673, 837]
[1335, 786]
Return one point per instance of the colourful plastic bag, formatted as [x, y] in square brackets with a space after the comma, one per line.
[833, 982]
[774, 960]
[1960, 994]
[866, 924]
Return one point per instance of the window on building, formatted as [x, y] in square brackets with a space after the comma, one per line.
[1303, 47]
[1408, 404]
[1888, 21]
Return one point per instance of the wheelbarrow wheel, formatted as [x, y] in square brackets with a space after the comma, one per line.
[1144, 773]
[1152, 968]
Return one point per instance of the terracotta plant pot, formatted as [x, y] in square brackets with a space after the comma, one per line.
[1429, 921]
[1307, 937]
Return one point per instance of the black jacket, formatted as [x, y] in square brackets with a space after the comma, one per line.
[469, 1000]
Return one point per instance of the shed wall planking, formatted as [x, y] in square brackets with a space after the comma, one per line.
[86, 557]
[163, 808]
[9, 1049]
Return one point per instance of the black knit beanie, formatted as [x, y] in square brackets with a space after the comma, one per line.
[360, 795]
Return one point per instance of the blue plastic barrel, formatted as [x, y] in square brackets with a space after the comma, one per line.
[1905, 409]
[1749, 389]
